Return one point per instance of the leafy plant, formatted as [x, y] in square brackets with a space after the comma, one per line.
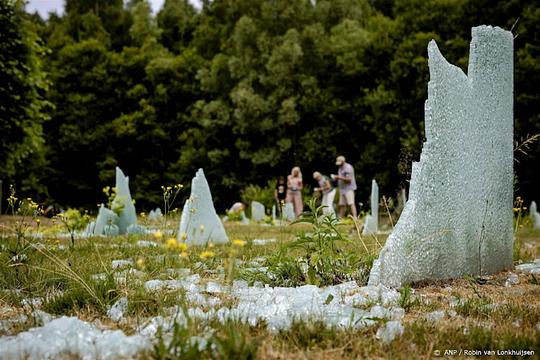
[323, 259]
[113, 202]
[234, 215]
[406, 298]
[264, 195]
[169, 197]
[519, 220]
[73, 220]
[26, 212]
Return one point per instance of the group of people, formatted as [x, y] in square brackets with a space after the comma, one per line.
[290, 190]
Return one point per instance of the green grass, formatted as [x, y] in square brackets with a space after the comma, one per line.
[489, 316]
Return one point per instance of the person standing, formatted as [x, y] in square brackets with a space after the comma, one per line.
[280, 194]
[294, 190]
[328, 192]
[346, 185]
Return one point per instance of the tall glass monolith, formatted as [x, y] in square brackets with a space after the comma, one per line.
[458, 218]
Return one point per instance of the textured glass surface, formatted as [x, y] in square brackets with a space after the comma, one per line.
[111, 230]
[105, 217]
[343, 306]
[135, 229]
[128, 215]
[371, 224]
[71, 338]
[535, 216]
[458, 219]
[288, 212]
[155, 215]
[107, 222]
[257, 211]
[199, 223]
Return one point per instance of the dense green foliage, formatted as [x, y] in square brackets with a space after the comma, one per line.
[22, 84]
[246, 89]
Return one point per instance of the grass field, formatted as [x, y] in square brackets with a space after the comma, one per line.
[50, 273]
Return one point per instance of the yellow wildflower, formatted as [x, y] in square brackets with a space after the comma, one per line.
[238, 242]
[183, 236]
[184, 254]
[182, 246]
[171, 243]
[207, 254]
[211, 245]
[158, 235]
[140, 262]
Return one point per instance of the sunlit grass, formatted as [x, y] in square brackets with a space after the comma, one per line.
[481, 316]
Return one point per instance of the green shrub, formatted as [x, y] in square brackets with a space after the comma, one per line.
[323, 258]
[264, 195]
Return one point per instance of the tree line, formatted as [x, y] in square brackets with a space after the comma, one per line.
[245, 89]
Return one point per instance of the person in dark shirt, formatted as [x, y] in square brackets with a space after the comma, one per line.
[280, 194]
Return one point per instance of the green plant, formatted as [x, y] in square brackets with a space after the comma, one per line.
[233, 341]
[76, 297]
[478, 307]
[519, 220]
[93, 292]
[306, 334]
[110, 193]
[406, 299]
[73, 220]
[264, 195]
[25, 211]
[169, 196]
[229, 258]
[323, 258]
[473, 282]
[234, 215]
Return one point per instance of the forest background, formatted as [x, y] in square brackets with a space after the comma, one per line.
[245, 89]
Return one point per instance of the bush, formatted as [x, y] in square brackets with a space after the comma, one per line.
[264, 195]
[321, 257]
